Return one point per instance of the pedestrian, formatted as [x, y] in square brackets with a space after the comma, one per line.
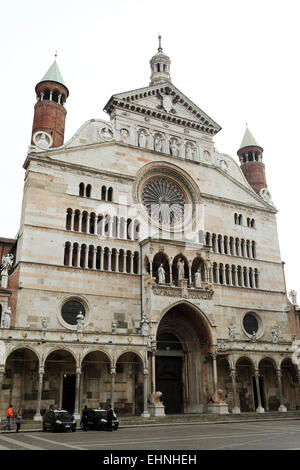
[9, 416]
[84, 418]
[110, 415]
[18, 420]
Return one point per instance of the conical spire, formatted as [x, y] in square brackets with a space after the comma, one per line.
[53, 75]
[249, 140]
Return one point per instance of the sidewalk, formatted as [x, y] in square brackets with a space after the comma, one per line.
[169, 420]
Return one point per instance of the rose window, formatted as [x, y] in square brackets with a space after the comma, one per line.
[164, 200]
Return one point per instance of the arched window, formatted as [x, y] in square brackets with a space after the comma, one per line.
[88, 190]
[67, 254]
[103, 193]
[47, 95]
[110, 194]
[158, 67]
[81, 189]
[236, 218]
[69, 219]
[55, 96]
[240, 219]
[252, 223]
[253, 247]
[233, 275]
[256, 278]
[215, 277]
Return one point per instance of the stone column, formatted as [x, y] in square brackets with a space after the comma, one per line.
[281, 408]
[190, 274]
[71, 255]
[77, 393]
[86, 257]
[230, 276]
[151, 267]
[237, 247]
[78, 256]
[2, 370]
[153, 378]
[38, 416]
[131, 263]
[88, 224]
[215, 371]
[235, 409]
[171, 273]
[118, 228]
[80, 223]
[146, 413]
[94, 258]
[112, 387]
[95, 224]
[72, 221]
[259, 408]
[101, 258]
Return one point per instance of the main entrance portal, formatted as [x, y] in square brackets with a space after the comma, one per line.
[183, 342]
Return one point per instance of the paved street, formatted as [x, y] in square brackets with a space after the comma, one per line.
[262, 435]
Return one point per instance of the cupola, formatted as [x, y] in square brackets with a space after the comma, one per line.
[250, 155]
[160, 66]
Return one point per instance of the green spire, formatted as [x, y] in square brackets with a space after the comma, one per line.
[53, 75]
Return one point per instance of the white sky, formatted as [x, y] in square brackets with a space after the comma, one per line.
[236, 59]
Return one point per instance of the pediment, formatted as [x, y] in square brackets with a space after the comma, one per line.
[164, 101]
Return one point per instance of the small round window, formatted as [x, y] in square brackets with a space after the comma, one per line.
[250, 323]
[70, 310]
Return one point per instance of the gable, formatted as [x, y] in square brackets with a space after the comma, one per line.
[164, 101]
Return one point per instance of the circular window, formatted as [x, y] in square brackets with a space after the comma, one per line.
[70, 310]
[164, 200]
[250, 323]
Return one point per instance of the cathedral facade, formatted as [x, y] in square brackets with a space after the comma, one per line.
[145, 261]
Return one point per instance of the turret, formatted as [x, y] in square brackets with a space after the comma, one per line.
[160, 66]
[49, 112]
[250, 155]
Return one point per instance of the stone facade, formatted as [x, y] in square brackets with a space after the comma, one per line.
[89, 244]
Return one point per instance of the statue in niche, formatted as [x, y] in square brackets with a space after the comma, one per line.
[7, 263]
[142, 140]
[114, 328]
[144, 326]
[158, 144]
[198, 278]
[174, 148]
[44, 324]
[231, 332]
[43, 141]
[188, 151]
[80, 322]
[106, 133]
[180, 269]
[161, 275]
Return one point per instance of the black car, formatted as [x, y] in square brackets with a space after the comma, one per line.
[59, 420]
[97, 419]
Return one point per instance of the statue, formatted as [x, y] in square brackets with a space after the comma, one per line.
[158, 144]
[113, 328]
[44, 324]
[231, 330]
[161, 275]
[80, 322]
[174, 148]
[144, 326]
[7, 263]
[188, 151]
[274, 336]
[6, 318]
[155, 399]
[142, 140]
[180, 268]
[218, 397]
[198, 278]
[43, 142]
[293, 297]
[253, 337]
[106, 133]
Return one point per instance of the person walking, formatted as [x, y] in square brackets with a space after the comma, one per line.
[110, 415]
[18, 420]
[84, 418]
[9, 416]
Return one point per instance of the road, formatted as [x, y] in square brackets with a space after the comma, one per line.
[259, 435]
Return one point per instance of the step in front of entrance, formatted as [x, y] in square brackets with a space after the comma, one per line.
[174, 419]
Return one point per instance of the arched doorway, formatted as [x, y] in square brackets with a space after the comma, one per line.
[128, 387]
[290, 384]
[96, 380]
[59, 381]
[246, 386]
[269, 381]
[21, 382]
[182, 372]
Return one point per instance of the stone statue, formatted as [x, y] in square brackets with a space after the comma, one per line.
[161, 275]
[274, 336]
[174, 148]
[188, 151]
[6, 318]
[106, 133]
[44, 324]
[7, 263]
[155, 399]
[158, 144]
[142, 140]
[43, 142]
[293, 297]
[180, 268]
[231, 331]
[253, 337]
[198, 278]
[218, 397]
[80, 322]
[144, 326]
[113, 328]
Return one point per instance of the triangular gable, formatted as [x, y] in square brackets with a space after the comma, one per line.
[164, 101]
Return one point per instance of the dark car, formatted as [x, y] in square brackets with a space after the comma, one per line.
[59, 420]
[97, 419]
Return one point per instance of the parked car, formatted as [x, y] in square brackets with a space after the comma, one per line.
[97, 419]
[59, 420]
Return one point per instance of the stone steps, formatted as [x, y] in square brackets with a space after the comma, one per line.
[174, 419]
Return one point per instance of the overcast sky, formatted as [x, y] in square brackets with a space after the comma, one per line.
[238, 60]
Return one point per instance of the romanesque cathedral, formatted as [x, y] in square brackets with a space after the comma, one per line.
[146, 272]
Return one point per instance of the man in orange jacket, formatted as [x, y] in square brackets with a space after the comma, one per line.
[9, 416]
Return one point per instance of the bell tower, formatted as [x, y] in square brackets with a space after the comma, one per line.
[49, 111]
[250, 155]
